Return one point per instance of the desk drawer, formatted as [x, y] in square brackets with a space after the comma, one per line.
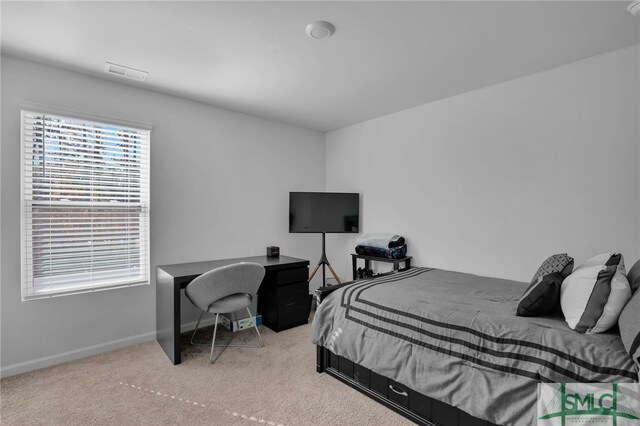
[292, 293]
[293, 303]
[288, 276]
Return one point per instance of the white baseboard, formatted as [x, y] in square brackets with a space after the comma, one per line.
[48, 361]
[191, 325]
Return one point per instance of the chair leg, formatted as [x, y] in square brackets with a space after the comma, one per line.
[257, 331]
[259, 337]
[196, 329]
[228, 344]
[213, 343]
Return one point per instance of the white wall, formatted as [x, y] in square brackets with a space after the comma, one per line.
[489, 182]
[219, 189]
[495, 180]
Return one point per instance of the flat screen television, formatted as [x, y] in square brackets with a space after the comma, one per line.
[330, 212]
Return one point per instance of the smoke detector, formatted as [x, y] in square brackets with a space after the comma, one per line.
[320, 29]
[634, 8]
[126, 72]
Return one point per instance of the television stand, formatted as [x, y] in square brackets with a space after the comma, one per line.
[324, 262]
[368, 259]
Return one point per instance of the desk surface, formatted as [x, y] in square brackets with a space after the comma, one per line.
[192, 269]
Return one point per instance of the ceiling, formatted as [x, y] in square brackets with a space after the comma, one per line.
[254, 57]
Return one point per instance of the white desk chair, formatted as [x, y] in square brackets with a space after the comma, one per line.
[225, 290]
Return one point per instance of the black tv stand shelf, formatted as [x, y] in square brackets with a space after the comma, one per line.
[367, 262]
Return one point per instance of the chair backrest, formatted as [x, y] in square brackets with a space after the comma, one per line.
[243, 277]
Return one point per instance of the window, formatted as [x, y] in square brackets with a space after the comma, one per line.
[85, 205]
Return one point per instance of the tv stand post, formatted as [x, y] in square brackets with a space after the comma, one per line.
[324, 262]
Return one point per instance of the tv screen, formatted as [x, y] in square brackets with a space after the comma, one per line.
[332, 212]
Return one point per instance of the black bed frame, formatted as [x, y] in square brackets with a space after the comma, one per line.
[413, 405]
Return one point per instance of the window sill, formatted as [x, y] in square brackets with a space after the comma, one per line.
[80, 290]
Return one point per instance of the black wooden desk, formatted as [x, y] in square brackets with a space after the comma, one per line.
[283, 297]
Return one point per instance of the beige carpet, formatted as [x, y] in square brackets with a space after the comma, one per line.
[273, 385]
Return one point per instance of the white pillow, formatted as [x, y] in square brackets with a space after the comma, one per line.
[593, 296]
[601, 260]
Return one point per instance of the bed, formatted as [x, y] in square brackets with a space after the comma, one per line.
[445, 347]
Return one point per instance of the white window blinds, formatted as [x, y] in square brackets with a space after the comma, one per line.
[85, 205]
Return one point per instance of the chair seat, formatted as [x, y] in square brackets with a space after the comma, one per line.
[232, 303]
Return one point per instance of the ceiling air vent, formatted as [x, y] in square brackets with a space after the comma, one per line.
[126, 72]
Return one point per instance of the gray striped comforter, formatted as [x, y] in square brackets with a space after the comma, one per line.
[455, 337]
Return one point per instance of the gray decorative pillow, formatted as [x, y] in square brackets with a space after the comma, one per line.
[541, 298]
[561, 263]
[629, 323]
[634, 277]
